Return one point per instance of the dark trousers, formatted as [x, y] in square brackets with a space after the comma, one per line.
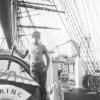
[40, 76]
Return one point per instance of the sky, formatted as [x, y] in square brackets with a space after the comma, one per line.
[90, 13]
[90, 17]
[50, 38]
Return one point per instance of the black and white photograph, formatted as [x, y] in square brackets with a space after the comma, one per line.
[49, 50]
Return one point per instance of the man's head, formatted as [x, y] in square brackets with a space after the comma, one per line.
[36, 36]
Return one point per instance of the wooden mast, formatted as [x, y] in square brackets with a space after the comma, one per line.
[5, 21]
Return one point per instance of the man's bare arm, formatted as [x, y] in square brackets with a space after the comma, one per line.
[47, 57]
[21, 54]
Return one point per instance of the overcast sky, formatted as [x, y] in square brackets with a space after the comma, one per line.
[90, 16]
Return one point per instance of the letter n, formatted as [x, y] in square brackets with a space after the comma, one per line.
[1, 91]
[13, 91]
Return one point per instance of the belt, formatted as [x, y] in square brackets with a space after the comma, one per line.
[36, 62]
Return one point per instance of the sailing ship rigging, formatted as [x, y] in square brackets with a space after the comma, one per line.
[59, 21]
[21, 11]
[70, 17]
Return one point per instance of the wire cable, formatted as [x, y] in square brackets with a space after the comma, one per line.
[80, 30]
[64, 25]
[67, 6]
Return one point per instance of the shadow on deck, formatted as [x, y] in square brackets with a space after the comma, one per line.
[81, 94]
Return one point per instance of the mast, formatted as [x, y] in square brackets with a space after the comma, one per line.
[5, 21]
[14, 20]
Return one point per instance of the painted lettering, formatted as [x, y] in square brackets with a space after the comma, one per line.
[7, 90]
[1, 91]
[13, 91]
[19, 94]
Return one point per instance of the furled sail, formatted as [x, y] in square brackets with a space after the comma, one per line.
[5, 20]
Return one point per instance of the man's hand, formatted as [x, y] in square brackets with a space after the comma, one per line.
[45, 69]
[14, 47]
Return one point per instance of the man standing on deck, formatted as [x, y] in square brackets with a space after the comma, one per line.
[37, 67]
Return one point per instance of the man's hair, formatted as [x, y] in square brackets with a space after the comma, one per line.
[36, 32]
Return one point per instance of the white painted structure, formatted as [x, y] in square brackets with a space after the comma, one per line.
[55, 88]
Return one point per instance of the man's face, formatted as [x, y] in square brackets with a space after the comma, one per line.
[36, 37]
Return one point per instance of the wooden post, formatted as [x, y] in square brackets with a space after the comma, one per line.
[52, 80]
[79, 70]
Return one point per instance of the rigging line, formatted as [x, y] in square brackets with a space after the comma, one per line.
[22, 44]
[15, 75]
[96, 55]
[80, 33]
[18, 22]
[89, 53]
[2, 73]
[69, 24]
[87, 22]
[83, 63]
[92, 53]
[32, 22]
[67, 12]
[40, 27]
[28, 14]
[2, 43]
[86, 52]
[82, 25]
[21, 77]
[96, 11]
[18, 29]
[23, 31]
[9, 75]
[64, 43]
[39, 8]
[26, 78]
[63, 22]
[91, 18]
[48, 1]
[85, 14]
[42, 4]
[78, 12]
[85, 67]
[70, 36]
[44, 23]
[80, 18]
[25, 36]
[69, 20]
